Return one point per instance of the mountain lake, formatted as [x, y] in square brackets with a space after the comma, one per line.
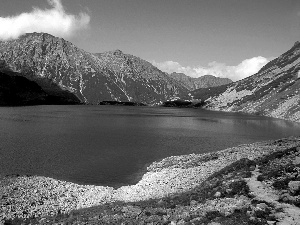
[112, 145]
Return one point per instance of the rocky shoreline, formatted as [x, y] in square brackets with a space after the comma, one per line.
[36, 196]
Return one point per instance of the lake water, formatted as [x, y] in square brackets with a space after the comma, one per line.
[110, 145]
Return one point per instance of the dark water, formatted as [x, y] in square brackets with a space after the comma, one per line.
[109, 145]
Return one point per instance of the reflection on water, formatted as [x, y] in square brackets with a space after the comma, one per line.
[109, 145]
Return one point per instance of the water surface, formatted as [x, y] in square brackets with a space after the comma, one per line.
[110, 145]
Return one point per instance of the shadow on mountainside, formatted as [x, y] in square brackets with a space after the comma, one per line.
[18, 90]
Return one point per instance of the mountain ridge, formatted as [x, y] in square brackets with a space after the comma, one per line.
[273, 91]
[205, 81]
[67, 72]
[92, 78]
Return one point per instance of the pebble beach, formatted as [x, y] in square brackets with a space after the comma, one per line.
[37, 196]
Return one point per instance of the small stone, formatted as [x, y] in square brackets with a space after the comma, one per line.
[279, 215]
[283, 192]
[271, 222]
[294, 175]
[243, 197]
[292, 198]
[165, 218]
[294, 186]
[160, 202]
[193, 203]
[195, 220]
[180, 222]
[252, 168]
[4, 196]
[33, 204]
[285, 199]
[218, 194]
[228, 190]
[296, 161]
[262, 206]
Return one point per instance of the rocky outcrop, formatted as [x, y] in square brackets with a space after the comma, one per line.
[273, 91]
[92, 78]
[201, 82]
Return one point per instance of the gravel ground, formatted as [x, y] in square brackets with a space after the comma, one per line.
[33, 196]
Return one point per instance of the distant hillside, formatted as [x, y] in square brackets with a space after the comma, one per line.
[273, 91]
[205, 93]
[56, 64]
[201, 82]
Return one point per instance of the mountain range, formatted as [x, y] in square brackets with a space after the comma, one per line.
[38, 68]
[90, 78]
[273, 91]
[205, 81]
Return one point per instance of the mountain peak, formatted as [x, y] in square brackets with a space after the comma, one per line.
[209, 76]
[204, 81]
[297, 43]
[92, 78]
[37, 34]
[117, 52]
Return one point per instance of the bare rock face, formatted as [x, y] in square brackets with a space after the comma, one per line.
[205, 81]
[58, 65]
[273, 91]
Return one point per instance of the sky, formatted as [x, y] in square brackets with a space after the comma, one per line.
[225, 38]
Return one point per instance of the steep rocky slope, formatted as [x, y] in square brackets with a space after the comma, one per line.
[273, 91]
[201, 82]
[92, 78]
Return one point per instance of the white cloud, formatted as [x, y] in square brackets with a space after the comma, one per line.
[54, 21]
[246, 68]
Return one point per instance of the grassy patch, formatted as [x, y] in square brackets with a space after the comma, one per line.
[276, 155]
[18, 221]
[238, 217]
[227, 181]
[275, 167]
[241, 167]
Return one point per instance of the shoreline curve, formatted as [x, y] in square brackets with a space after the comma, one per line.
[27, 196]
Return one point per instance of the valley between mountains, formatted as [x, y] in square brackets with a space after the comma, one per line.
[249, 184]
